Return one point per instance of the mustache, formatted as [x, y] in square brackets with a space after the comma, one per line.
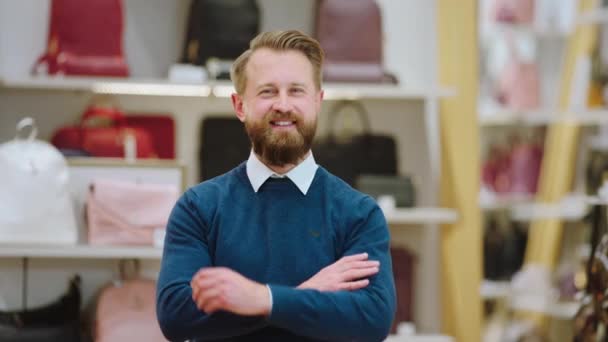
[272, 116]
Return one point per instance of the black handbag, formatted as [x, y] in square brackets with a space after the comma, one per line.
[57, 321]
[219, 29]
[224, 145]
[401, 188]
[363, 153]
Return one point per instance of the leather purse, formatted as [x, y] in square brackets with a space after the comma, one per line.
[126, 308]
[353, 52]
[362, 153]
[220, 29]
[399, 187]
[514, 11]
[58, 321]
[35, 201]
[128, 213]
[105, 132]
[85, 38]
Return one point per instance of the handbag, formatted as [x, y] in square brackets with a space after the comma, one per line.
[220, 29]
[353, 52]
[363, 153]
[58, 321]
[35, 202]
[85, 38]
[399, 187]
[518, 85]
[514, 11]
[128, 213]
[224, 145]
[105, 132]
[125, 308]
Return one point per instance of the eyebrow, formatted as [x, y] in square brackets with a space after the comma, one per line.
[298, 84]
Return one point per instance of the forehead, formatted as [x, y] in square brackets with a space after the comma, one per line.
[277, 67]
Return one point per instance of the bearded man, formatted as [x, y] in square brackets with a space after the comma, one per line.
[278, 248]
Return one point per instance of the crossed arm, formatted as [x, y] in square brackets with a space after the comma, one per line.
[340, 302]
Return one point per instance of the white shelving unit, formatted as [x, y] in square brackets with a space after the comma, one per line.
[163, 87]
[541, 118]
[421, 216]
[408, 111]
[80, 251]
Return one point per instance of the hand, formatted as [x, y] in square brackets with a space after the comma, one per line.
[219, 288]
[344, 274]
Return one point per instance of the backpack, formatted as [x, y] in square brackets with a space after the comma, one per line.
[350, 33]
[85, 38]
[219, 29]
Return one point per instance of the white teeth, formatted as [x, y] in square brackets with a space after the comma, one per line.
[283, 123]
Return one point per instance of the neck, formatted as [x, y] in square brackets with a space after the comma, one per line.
[282, 169]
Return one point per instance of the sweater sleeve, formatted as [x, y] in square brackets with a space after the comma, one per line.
[185, 252]
[362, 315]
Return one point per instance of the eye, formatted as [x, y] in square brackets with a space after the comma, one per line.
[266, 92]
[297, 90]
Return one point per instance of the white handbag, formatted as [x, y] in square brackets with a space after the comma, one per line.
[35, 202]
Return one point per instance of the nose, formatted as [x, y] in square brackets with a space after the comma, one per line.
[282, 104]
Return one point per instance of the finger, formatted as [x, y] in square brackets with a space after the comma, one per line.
[207, 296]
[354, 257]
[359, 273]
[214, 305]
[362, 264]
[354, 285]
[203, 284]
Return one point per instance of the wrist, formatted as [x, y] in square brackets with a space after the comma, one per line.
[264, 300]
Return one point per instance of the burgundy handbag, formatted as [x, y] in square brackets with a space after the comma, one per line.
[350, 32]
[105, 132]
[85, 38]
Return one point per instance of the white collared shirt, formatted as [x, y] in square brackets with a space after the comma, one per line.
[301, 175]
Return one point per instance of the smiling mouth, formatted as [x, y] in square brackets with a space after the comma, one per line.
[282, 123]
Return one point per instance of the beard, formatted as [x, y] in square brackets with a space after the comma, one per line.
[280, 148]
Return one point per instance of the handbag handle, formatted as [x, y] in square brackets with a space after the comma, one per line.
[340, 106]
[25, 123]
[98, 112]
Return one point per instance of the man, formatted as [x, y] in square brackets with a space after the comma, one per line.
[277, 249]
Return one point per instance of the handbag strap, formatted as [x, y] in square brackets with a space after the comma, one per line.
[25, 123]
[339, 107]
[98, 112]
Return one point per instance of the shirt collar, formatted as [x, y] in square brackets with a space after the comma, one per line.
[301, 175]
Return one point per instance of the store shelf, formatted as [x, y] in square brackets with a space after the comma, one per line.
[491, 289]
[565, 310]
[81, 251]
[542, 118]
[223, 89]
[421, 216]
[570, 208]
[490, 202]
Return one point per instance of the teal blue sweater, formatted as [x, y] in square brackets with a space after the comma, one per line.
[280, 237]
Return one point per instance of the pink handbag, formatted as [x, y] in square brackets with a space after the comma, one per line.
[518, 87]
[128, 213]
[127, 312]
[514, 11]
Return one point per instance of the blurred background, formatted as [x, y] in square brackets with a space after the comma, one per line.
[479, 126]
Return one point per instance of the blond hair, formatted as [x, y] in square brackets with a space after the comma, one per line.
[279, 41]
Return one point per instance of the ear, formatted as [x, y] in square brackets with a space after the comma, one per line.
[319, 100]
[237, 104]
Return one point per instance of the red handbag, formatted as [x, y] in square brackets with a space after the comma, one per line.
[85, 38]
[104, 132]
